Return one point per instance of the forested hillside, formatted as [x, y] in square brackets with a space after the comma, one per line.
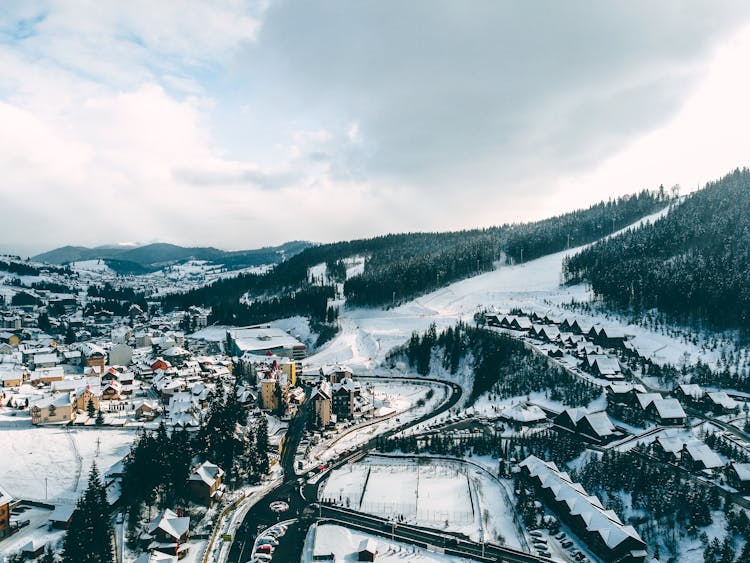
[693, 264]
[401, 267]
[501, 365]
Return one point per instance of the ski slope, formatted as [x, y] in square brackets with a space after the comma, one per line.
[367, 335]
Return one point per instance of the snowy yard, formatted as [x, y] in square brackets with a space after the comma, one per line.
[396, 400]
[56, 458]
[345, 544]
[439, 494]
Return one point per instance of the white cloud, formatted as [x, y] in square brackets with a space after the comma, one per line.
[240, 125]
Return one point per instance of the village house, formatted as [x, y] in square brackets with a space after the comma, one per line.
[168, 533]
[94, 356]
[719, 402]
[738, 476]
[121, 355]
[47, 376]
[368, 550]
[205, 483]
[604, 366]
[12, 375]
[321, 400]
[623, 393]
[594, 427]
[84, 396]
[666, 412]
[112, 391]
[335, 373]
[343, 397]
[57, 408]
[600, 528]
[690, 393]
[5, 500]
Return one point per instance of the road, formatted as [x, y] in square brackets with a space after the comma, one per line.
[449, 543]
[300, 495]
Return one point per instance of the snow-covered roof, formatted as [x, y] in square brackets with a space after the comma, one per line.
[622, 387]
[722, 399]
[524, 413]
[701, 452]
[169, 522]
[596, 518]
[669, 408]
[600, 423]
[60, 400]
[742, 470]
[50, 358]
[645, 399]
[691, 390]
[251, 339]
[606, 365]
[612, 332]
[62, 513]
[207, 472]
[5, 498]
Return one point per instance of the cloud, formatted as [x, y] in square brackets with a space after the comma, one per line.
[239, 125]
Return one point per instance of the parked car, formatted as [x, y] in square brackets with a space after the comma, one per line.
[269, 539]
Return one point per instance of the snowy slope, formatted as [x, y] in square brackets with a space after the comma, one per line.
[368, 334]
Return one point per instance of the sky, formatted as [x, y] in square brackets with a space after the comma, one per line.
[241, 124]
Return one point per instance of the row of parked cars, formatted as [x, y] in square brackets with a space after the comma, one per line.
[266, 543]
[542, 547]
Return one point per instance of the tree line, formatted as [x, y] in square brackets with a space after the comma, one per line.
[693, 263]
[399, 267]
[502, 365]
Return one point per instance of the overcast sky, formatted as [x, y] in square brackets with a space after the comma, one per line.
[239, 124]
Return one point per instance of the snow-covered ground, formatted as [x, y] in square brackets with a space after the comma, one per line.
[368, 335]
[441, 494]
[53, 462]
[345, 544]
[395, 401]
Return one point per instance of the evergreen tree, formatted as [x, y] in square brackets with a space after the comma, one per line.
[90, 536]
[99, 418]
[91, 409]
[261, 444]
[70, 335]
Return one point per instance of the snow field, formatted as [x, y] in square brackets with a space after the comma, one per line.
[439, 494]
[344, 543]
[55, 457]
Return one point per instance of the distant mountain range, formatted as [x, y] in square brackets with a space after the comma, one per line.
[150, 257]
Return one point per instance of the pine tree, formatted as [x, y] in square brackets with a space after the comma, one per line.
[90, 536]
[91, 409]
[99, 418]
[261, 443]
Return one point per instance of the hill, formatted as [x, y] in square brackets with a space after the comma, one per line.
[399, 267]
[142, 259]
[693, 264]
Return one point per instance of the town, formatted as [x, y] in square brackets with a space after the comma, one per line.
[395, 282]
[263, 433]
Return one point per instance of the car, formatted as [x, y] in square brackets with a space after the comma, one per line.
[268, 540]
[264, 548]
[535, 533]
[262, 557]
[560, 536]
[566, 544]
[544, 553]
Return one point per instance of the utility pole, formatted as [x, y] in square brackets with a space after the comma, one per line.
[45, 488]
